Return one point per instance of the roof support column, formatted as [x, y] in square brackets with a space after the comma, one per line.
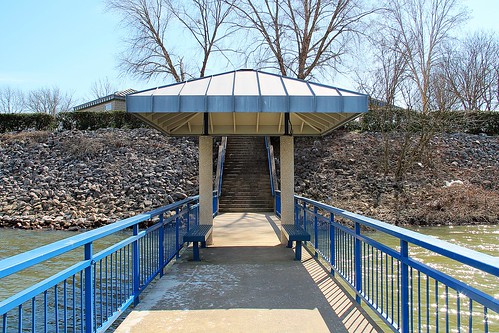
[206, 182]
[287, 181]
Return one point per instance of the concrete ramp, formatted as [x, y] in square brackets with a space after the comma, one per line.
[246, 282]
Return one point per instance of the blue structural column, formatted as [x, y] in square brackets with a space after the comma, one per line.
[206, 182]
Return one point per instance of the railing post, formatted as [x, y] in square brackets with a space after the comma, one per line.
[188, 216]
[136, 263]
[358, 262]
[177, 233]
[404, 252]
[332, 257]
[89, 289]
[297, 212]
[304, 215]
[316, 233]
[161, 247]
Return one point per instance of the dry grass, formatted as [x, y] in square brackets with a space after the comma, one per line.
[25, 136]
[460, 204]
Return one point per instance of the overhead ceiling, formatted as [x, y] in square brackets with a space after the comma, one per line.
[246, 102]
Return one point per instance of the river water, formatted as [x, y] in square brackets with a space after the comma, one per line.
[479, 238]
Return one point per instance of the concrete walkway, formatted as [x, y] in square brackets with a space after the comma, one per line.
[246, 282]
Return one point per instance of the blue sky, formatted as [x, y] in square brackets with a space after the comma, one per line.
[71, 44]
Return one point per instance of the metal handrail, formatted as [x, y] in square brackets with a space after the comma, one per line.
[271, 162]
[220, 165]
[138, 261]
[390, 281]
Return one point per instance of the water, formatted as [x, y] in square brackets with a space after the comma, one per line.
[13, 241]
[479, 238]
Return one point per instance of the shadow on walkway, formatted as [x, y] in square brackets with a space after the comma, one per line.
[256, 288]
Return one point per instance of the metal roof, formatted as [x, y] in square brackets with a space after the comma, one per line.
[246, 102]
[119, 95]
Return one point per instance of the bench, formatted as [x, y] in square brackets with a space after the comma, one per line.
[196, 235]
[296, 234]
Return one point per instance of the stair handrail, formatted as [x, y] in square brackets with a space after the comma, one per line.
[271, 161]
[220, 165]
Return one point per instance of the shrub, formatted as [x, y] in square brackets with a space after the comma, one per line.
[383, 119]
[83, 120]
[10, 122]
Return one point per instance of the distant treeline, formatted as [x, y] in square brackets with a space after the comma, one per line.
[377, 120]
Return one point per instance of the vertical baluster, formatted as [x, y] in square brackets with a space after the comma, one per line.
[107, 287]
[458, 307]
[111, 282]
[419, 301]
[56, 309]
[427, 303]
[404, 288]
[33, 314]
[136, 270]
[4, 323]
[377, 278]
[82, 320]
[121, 277]
[382, 291]
[392, 290]
[358, 262]
[436, 304]
[316, 232]
[65, 304]
[446, 308]
[470, 321]
[332, 243]
[73, 287]
[485, 320]
[20, 318]
[161, 247]
[101, 304]
[177, 234]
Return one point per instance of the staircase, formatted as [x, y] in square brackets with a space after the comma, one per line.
[246, 180]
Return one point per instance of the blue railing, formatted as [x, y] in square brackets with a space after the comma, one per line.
[90, 294]
[220, 166]
[271, 162]
[408, 295]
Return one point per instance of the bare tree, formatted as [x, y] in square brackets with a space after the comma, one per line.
[299, 37]
[472, 71]
[154, 36]
[206, 21]
[11, 100]
[443, 97]
[49, 100]
[101, 88]
[425, 27]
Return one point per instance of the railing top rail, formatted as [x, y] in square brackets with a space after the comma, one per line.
[485, 262]
[23, 260]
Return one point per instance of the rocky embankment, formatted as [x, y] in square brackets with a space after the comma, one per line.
[84, 179]
[455, 182]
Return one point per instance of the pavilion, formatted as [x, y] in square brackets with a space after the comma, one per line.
[246, 103]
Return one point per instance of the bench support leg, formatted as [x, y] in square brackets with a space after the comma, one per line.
[195, 251]
[290, 245]
[203, 245]
[298, 251]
